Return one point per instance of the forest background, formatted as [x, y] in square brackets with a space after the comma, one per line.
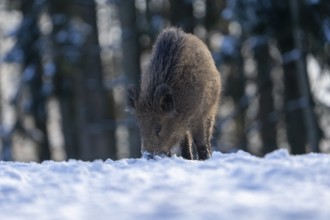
[65, 67]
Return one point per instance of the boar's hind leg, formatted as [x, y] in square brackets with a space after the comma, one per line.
[186, 149]
[202, 140]
[203, 149]
[209, 131]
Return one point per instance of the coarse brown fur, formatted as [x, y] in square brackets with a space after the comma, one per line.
[179, 96]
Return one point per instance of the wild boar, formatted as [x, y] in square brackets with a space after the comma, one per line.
[179, 96]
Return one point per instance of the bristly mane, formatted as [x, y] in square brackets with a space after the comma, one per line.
[165, 55]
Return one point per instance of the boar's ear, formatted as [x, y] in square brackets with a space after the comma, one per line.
[164, 98]
[132, 97]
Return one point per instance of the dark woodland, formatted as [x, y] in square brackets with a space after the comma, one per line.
[82, 55]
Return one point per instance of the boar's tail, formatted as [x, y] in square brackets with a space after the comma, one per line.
[165, 55]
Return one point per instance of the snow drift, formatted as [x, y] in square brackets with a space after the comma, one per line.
[227, 186]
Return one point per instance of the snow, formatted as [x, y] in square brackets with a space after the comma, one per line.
[227, 186]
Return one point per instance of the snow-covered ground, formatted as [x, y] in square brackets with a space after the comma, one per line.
[227, 186]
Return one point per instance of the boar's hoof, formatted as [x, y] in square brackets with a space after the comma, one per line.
[203, 154]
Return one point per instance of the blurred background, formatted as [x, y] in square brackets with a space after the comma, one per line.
[65, 66]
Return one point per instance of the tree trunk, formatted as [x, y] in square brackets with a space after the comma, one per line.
[32, 62]
[85, 105]
[65, 75]
[311, 125]
[295, 128]
[131, 63]
[294, 114]
[181, 15]
[213, 11]
[236, 89]
[99, 106]
[266, 103]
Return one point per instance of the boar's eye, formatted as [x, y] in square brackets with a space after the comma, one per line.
[158, 130]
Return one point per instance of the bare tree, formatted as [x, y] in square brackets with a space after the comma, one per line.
[181, 15]
[266, 115]
[130, 63]
[86, 109]
[310, 122]
[31, 97]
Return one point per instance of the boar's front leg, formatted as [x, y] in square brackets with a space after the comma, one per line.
[186, 147]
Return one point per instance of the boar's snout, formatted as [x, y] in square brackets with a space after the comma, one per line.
[151, 147]
[153, 155]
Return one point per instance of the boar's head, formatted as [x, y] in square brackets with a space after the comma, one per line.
[157, 118]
